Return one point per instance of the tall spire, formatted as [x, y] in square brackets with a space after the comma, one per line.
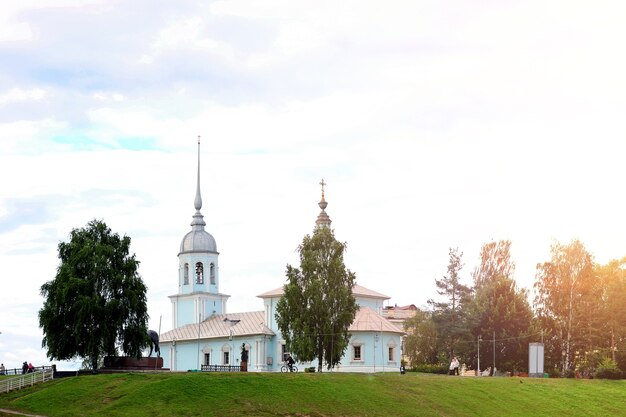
[198, 220]
[198, 201]
[322, 218]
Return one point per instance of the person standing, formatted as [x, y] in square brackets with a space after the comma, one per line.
[2, 369]
[454, 366]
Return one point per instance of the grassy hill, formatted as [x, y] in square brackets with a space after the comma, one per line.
[252, 394]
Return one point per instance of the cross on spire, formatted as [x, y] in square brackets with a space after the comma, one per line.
[323, 219]
[322, 183]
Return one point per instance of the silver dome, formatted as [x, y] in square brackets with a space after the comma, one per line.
[198, 241]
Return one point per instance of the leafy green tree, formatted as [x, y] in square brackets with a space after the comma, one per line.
[566, 302]
[420, 343]
[97, 299]
[495, 262]
[450, 315]
[317, 306]
[612, 278]
[499, 311]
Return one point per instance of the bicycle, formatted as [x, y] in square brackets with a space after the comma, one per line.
[285, 368]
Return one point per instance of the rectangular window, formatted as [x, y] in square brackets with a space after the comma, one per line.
[207, 358]
[391, 358]
[357, 353]
[226, 358]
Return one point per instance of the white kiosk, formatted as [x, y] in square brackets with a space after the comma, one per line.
[535, 360]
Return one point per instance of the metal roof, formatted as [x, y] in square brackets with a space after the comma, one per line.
[220, 326]
[357, 290]
[367, 320]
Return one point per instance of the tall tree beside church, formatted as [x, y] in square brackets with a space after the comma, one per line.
[565, 301]
[97, 300]
[317, 306]
[499, 311]
[450, 315]
[420, 343]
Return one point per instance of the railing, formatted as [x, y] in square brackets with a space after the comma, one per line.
[26, 380]
[20, 371]
[220, 368]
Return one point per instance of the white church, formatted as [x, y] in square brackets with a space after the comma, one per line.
[205, 333]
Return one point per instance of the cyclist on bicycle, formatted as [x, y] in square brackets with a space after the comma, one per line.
[290, 362]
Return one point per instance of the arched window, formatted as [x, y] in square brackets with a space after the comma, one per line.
[212, 273]
[199, 273]
[226, 359]
[391, 351]
[186, 275]
[206, 351]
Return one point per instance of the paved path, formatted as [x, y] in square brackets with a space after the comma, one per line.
[18, 413]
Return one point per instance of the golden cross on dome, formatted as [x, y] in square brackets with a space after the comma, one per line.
[322, 183]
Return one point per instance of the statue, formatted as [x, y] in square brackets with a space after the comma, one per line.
[244, 353]
[154, 342]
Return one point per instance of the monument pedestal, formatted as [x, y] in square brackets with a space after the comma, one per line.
[125, 363]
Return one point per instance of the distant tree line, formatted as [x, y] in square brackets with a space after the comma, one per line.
[578, 310]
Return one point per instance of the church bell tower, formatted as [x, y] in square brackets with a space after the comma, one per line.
[198, 272]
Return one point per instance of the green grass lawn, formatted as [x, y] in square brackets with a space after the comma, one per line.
[327, 394]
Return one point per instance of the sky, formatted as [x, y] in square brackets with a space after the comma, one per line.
[435, 124]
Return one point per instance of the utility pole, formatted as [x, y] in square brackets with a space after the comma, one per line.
[198, 359]
[493, 371]
[159, 353]
[478, 368]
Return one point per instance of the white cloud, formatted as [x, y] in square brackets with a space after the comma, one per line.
[186, 34]
[13, 26]
[18, 94]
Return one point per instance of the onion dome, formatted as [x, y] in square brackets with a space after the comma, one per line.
[322, 218]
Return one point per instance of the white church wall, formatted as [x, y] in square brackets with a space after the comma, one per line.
[373, 303]
[187, 356]
[212, 307]
[373, 353]
[190, 355]
[270, 313]
[185, 312]
[166, 355]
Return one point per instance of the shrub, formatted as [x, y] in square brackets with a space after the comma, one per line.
[608, 370]
[569, 373]
[310, 369]
[430, 368]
